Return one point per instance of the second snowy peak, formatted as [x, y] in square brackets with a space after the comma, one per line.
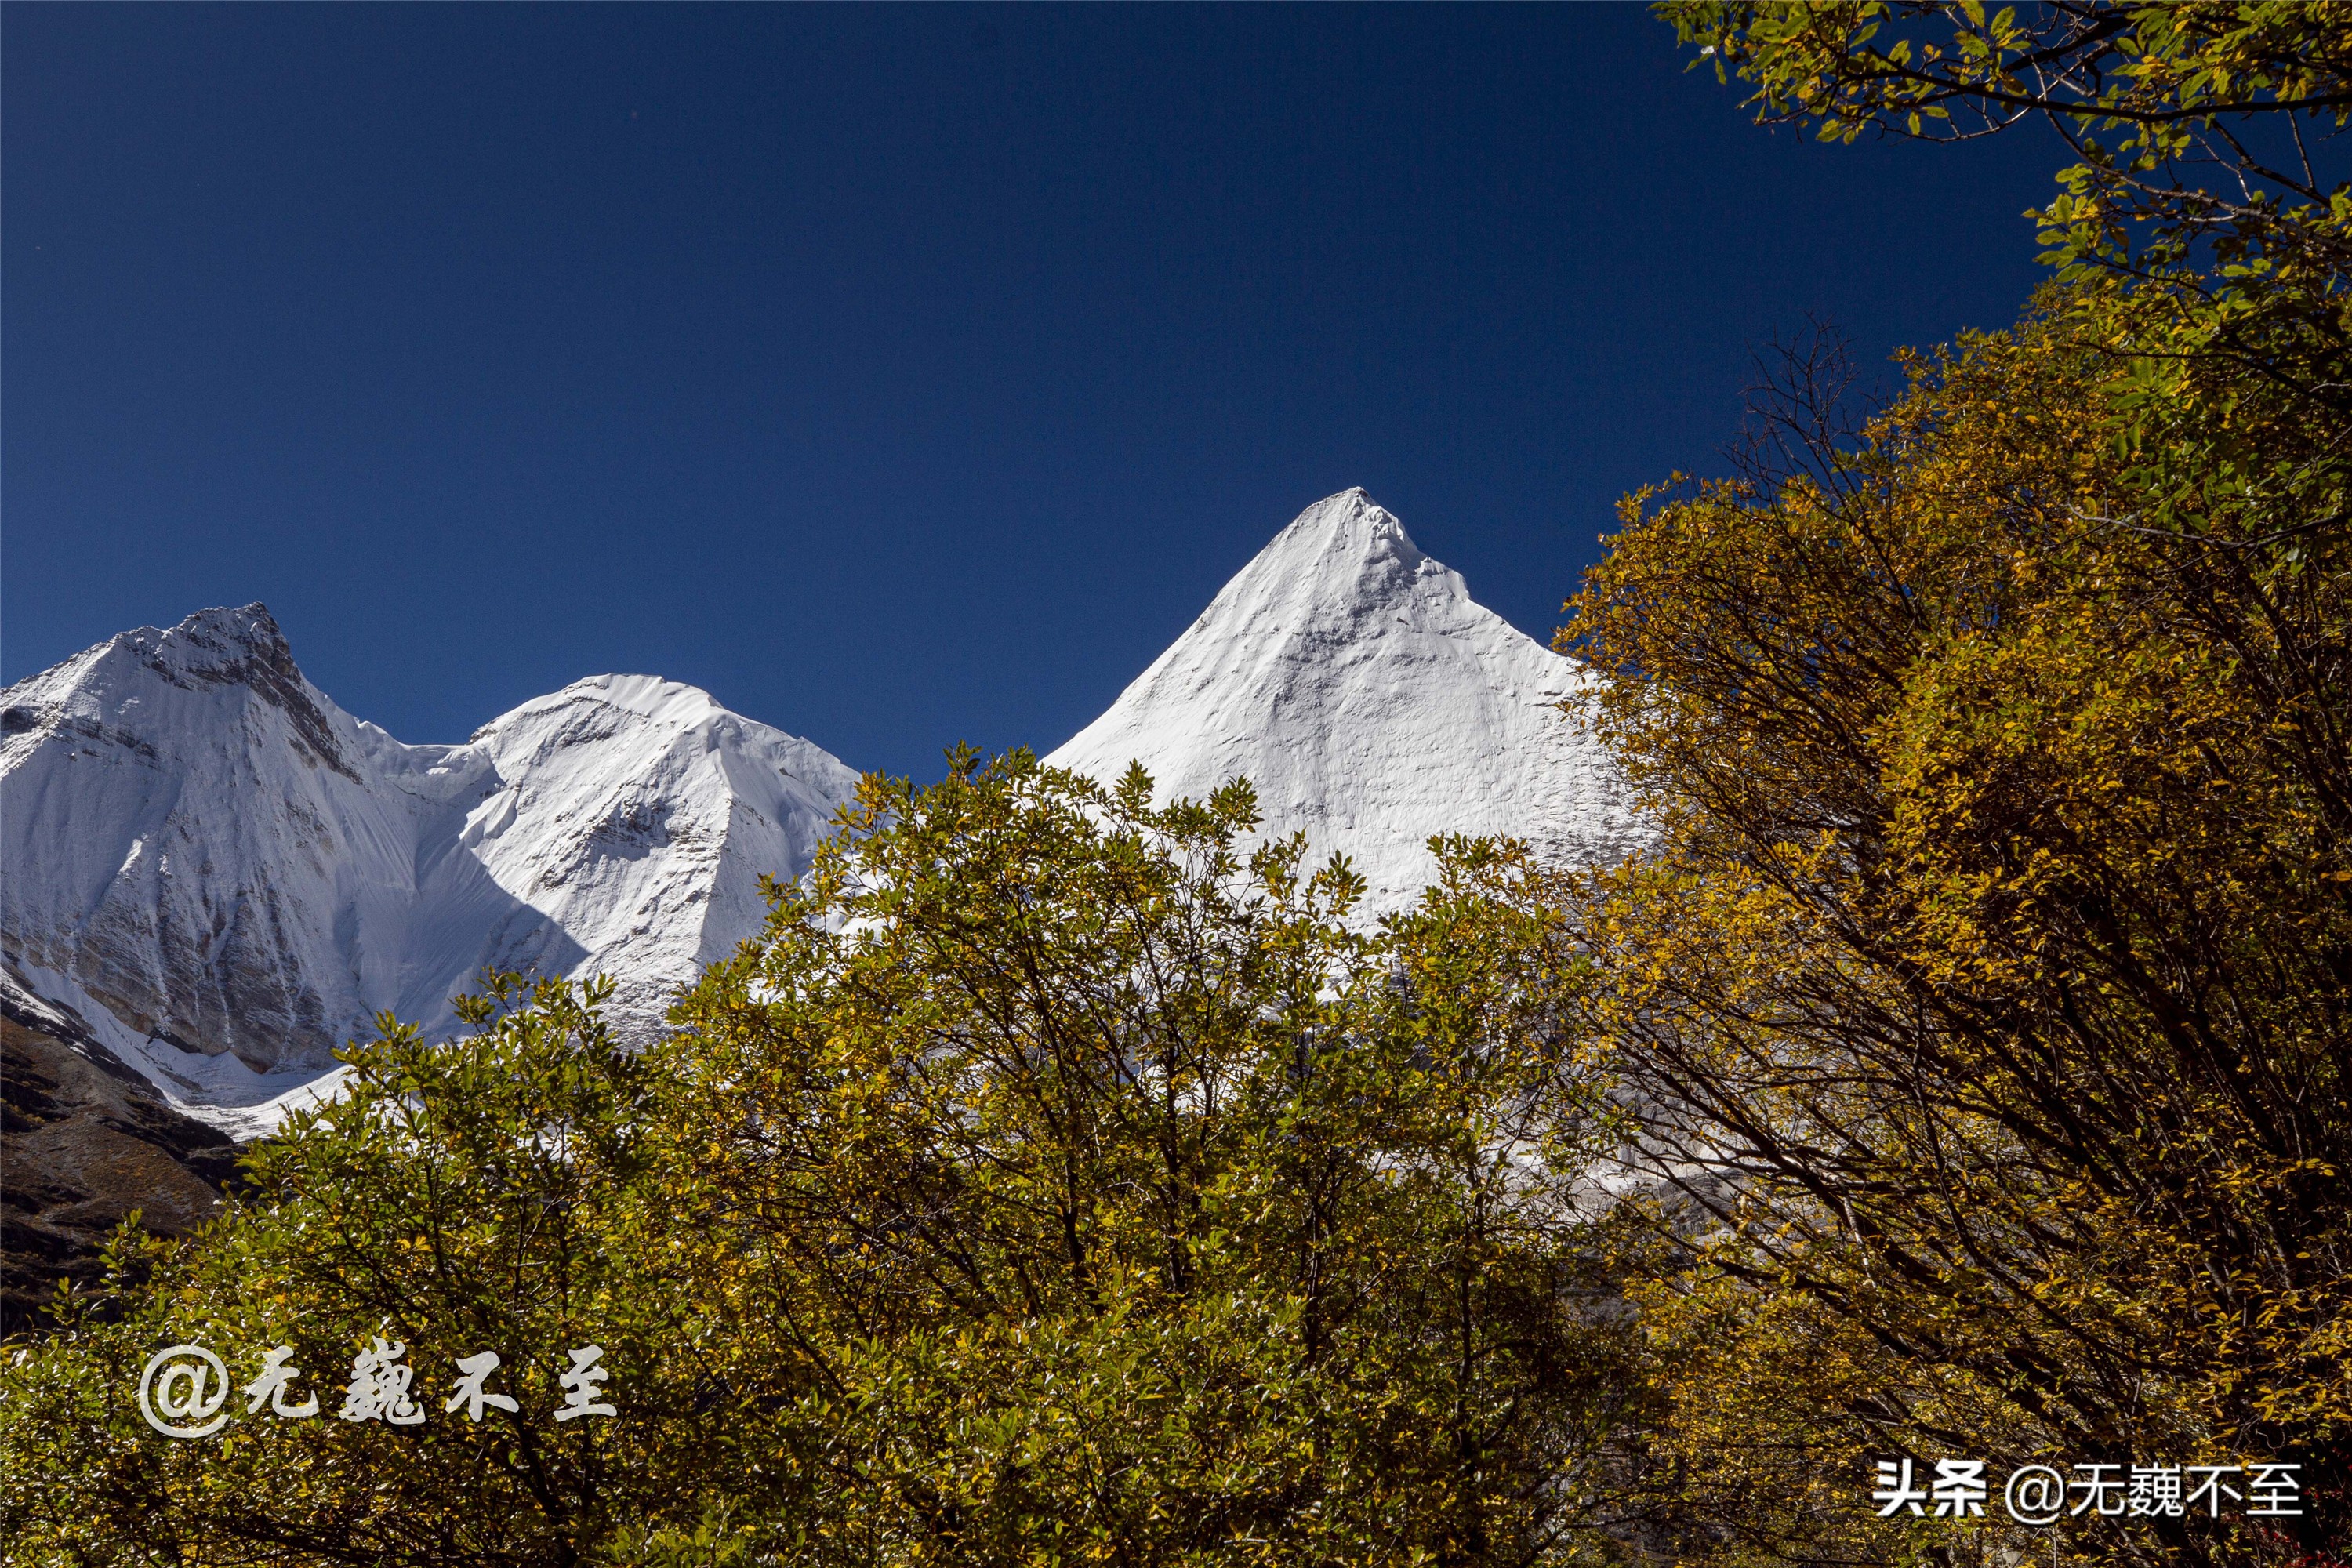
[1373, 703]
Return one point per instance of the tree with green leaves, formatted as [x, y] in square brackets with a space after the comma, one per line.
[1115, 1199]
[496, 1193]
[1987, 989]
[1056, 1179]
[2207, 121]
[2210, 184]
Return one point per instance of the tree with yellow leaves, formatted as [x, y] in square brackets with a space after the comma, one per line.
[1990, 990]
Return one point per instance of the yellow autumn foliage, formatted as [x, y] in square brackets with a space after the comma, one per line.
[1990, 990]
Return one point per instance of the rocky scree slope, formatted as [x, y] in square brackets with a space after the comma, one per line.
[84, 1141]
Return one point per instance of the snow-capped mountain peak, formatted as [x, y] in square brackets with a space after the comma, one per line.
[227, 876]
[1373, 702]
[202, 848]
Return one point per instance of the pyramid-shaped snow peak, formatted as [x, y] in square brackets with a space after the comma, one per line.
[226, 876]
[1373, 703]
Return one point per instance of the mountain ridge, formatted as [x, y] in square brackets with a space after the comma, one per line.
[202, 847]
[226, 875]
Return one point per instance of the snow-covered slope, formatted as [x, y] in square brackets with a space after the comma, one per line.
[197, 843]
[226, 875]
[1373, 704]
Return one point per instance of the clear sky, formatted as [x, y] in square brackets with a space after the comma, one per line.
[900, 375]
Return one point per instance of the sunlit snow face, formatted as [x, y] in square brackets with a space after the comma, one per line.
[622, 825]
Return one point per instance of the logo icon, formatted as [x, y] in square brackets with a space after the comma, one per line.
[2036, 1495]
[175, 1403]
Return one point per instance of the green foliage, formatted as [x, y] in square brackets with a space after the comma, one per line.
[492, 1194]
[1053, 1182]
[1064, 1178]
[1115, 1200]
[2148, 97]
[1987, 991]
[2208, 180]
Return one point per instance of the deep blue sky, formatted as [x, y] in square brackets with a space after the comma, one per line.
[898, 374]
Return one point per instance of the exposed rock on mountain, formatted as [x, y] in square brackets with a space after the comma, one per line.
[85, 1140]
[1373, 703]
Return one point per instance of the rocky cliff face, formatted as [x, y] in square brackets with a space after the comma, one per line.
[1373, 703]
[84, 1142]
